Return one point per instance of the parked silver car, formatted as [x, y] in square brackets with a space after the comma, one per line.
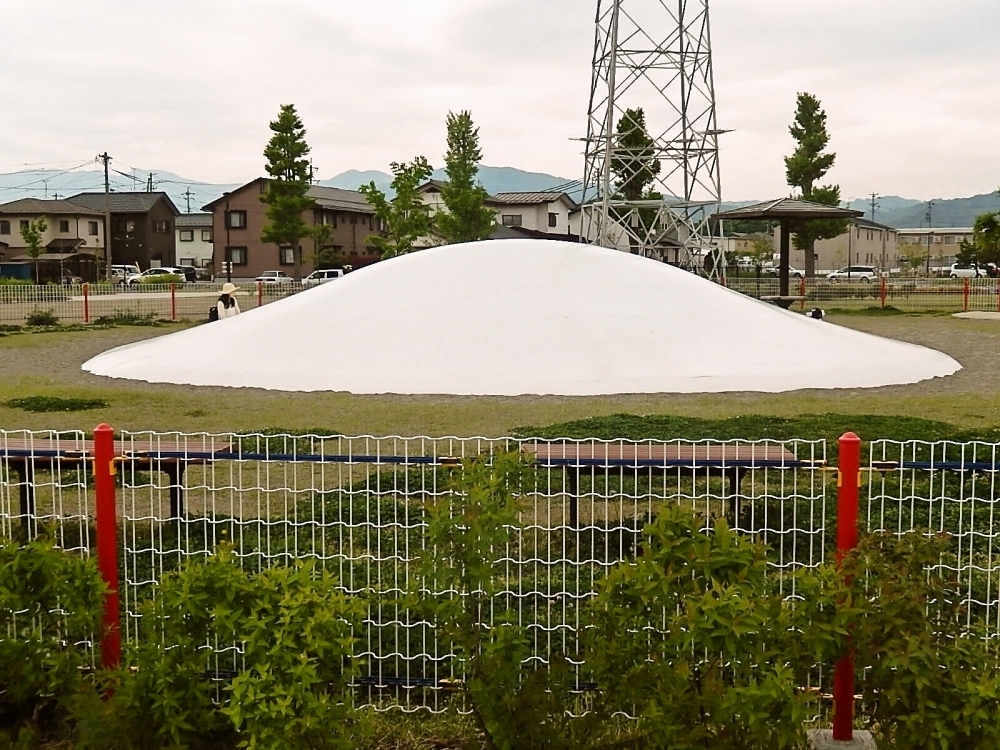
[854, 273]
[322, 276]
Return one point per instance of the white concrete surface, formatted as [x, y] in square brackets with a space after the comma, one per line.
[522, 317]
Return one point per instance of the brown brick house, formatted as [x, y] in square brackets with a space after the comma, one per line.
[238, 219]
[142, 226]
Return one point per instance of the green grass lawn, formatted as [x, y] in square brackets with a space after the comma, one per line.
[966, 405]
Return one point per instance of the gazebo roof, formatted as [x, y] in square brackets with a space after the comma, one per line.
[788, 208]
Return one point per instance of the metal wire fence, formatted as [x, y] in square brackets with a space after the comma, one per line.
[357, 507]
[89, 303]
[908, 294]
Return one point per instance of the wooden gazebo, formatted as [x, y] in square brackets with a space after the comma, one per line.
[789, 213]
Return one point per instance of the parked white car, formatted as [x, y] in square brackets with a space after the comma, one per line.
[854, 273]
[150, 275]
[322, 276]
[123, 274]
[960, 271]
[771, 269]
[274, 277]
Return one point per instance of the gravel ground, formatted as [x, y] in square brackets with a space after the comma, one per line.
[49, 364]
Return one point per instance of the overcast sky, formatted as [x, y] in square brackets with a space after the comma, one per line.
[911, 87]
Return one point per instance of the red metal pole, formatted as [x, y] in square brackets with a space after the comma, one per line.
[86, 302]
[107, 541]
[883, 289]
[848, 486]
[965, 295]
[173, 301]
[260, 293]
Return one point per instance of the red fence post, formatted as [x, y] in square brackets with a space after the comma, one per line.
[107, 541]
[173, 301]
[260, 293]
[86, 302]
[883, 289]
[848, 486]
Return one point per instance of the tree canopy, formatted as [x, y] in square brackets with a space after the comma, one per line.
[467, 218]
[634, 164]
[808, 164]
[406, 217]
[285, 194]
[985, 245]
[32, 233]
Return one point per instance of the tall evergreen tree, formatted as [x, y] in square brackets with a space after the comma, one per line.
[289, 182]
[467, 217]
[406, 217]
[634, 164]
[804, 168]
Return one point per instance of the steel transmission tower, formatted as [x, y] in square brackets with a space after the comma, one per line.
[653, 55]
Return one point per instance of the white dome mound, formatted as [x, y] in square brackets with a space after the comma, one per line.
[510, 317]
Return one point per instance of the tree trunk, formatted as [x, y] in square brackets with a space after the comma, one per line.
[810, 259]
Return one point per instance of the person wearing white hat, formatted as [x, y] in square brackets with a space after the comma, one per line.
[227, 305]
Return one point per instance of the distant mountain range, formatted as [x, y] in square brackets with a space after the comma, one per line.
[191, 195]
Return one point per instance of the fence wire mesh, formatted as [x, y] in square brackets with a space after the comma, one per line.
[91, 303]
[945, 488]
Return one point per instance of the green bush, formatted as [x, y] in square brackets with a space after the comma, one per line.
[6, 281]
[281, 642]
[693, 639]
[162, 278]
[54, 403]
[127, 318]
[40, 318]
[50, 610]
[927, 681]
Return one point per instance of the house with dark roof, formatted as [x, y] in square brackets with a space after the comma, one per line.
[239, 217]
[72, 243]
[142, 226]
[546, 212]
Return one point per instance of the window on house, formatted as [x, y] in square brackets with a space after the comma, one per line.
[4, 227]
[129, 226]
[64, 226]
[186, 235]
[24, 224]
[286, 256]
[236, 219]
[161, 227]
[92, 228]
[553, 219]
[238, 255]
[511, 220]
[949, 239]
[187, 261]
[937, 238]
[206, 235]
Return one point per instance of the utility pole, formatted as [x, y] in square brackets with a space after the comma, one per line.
[312, 172]
[149, 182]
[107, 215]
[187, 197]
[874, 204]
[930, 223]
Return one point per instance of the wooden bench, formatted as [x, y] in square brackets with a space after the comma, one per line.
[26, 457]
[732, 461]
[782, 301]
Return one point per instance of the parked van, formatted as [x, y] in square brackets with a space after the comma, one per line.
[124, 273]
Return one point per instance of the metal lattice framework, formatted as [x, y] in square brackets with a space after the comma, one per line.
[356, 507]
[656, 56]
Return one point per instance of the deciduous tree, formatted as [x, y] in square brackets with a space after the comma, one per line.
[285, 195]
[406, 217]
[805, 167]
[32, 233]
[467, 217]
